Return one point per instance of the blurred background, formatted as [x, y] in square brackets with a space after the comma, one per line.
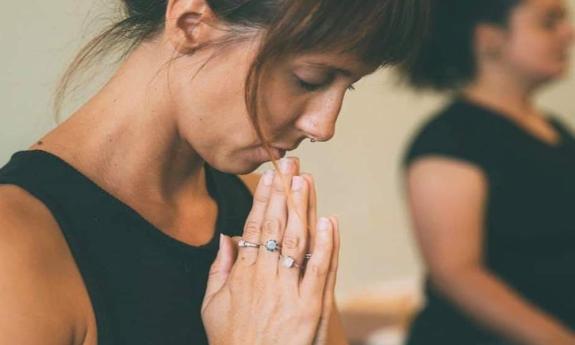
[358, 172]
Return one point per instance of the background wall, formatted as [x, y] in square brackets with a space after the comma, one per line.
[358, 172]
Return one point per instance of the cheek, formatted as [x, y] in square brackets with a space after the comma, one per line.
[283, 106]
[536, 53]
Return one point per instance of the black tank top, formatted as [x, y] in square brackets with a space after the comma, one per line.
[529, 222]
[146, 287]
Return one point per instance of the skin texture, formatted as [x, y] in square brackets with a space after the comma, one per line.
[447, 197]
[144, 138]
[330, 330]
[296, 298]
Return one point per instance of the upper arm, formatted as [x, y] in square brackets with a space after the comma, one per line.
[35, 309]
[446, 198]
[251, 181]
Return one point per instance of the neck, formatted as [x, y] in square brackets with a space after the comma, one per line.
[498, 89]
[126, 137]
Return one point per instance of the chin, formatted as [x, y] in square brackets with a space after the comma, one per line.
[558, 70]
[245, 161]
[555, 75]
[241, 168]
[550, 75]
[245, 170]
[237, 164]
[563, 72]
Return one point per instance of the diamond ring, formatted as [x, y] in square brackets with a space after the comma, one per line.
[272, 246]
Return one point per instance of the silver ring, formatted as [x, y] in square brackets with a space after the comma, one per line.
[272, 246]
[289, 262]
[247, 244]
[307, 256]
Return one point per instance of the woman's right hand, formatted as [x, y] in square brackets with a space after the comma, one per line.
[259, 298]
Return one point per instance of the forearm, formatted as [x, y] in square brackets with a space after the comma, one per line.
[493, 304]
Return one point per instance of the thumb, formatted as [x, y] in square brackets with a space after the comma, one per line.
[220, 269]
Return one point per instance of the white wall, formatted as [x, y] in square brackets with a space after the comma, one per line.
[357, 173]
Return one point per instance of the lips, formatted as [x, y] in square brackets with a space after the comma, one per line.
[289, 148]
[279, 151]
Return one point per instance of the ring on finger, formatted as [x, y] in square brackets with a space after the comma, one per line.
[289, 262]
[247, 244]
[307, 256]
[272, 246]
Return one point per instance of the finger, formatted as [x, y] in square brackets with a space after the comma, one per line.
[293, 169]
[220, 269]
[275, 219]
[332, 275]
[235, 240]
[252, 228]
[312, 211]
[329, 314]
[317, 269]
[294, 243]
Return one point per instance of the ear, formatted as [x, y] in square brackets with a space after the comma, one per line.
[489, 40]
[189, 24]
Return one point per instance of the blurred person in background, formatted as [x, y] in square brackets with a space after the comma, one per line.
[491, 178]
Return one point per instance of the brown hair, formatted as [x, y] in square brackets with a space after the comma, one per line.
[381, 32]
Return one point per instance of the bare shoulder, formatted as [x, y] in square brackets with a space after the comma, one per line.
[41, 300]
[24, 220]
[251, 181]
[436, 173]
[439, 188]
[17, 206]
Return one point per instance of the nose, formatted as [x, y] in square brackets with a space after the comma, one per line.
[319, 118]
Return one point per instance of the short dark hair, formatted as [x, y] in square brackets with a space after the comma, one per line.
[447, 60]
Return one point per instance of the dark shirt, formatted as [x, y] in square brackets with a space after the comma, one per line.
[529, 221]
[146, 287]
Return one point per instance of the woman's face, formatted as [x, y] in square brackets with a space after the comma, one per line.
[539, 40]
[300, 97]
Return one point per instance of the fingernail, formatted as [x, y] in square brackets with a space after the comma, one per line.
[221, 241]
[285, 165]
[268, 177]
[323, 224]
[297, 183]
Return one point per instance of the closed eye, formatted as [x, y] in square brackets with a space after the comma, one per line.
[309, 86]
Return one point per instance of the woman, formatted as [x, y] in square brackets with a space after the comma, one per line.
[490, 178]
[109, 223]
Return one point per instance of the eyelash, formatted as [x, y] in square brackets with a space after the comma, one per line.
[314, 87]
[309, 86]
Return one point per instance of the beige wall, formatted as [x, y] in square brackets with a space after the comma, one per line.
[357, 173]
